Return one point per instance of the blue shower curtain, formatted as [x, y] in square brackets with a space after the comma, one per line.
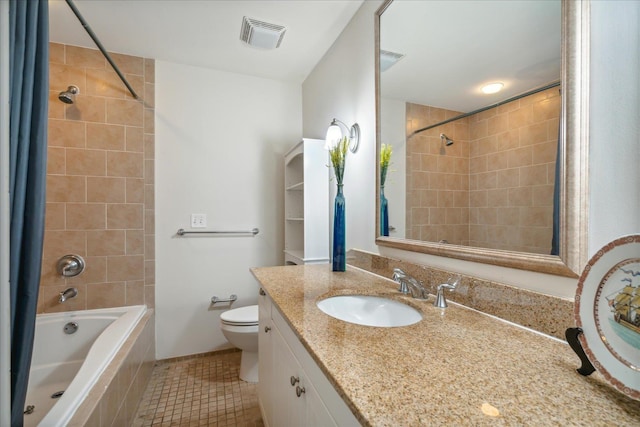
[29, 93]
[555, 239]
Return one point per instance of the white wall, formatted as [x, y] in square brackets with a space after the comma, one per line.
[343, 83]
[220, 142]
[342, 86]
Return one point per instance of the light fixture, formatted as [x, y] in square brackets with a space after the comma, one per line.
[261, 34]
[492, 88]
[388, 59]
[334, 135]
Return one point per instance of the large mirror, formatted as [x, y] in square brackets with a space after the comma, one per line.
[498, 178]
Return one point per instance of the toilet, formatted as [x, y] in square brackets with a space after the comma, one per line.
[240, 327]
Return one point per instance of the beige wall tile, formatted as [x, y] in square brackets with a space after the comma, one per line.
[149, 273]
[135, 292]
[129, 64]
[124, 216]
[533, 175]
[86, 216]
[135, 242]
[536, 216]
[520, 196]
[135, 190]
[149, 147]
[103, 295]
[55, 216]
[56, 107]
[124, 112]
[62, 76]
[545, 152]
[105, 137]
[135, 139]
[497, 198]
[124, 164]
[56, 161]
[508, 178]
[104, 82]
[520, 157]
[149, 246]
[56, 53]
[137, 84]
[95, 271]
[66, 188]
[149, 70]
[83, 57]
[149, 195]
[58, 243]
[106, 242]
[85, 162]
[107, 190]
[542, 195]
[149, 121]
[63, 133]
[48, 299]
[149, 221]
[521, 117]
[87, 108]
[547, 109]
[130, 267]
[533, 134]
[149, 95]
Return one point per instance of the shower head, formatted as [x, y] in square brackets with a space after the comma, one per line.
[447, 141]
[68, 96]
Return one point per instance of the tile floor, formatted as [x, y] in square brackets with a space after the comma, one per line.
[203, 390]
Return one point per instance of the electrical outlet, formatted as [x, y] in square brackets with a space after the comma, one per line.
[198, 220]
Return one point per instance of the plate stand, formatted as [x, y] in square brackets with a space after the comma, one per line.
[572, 335]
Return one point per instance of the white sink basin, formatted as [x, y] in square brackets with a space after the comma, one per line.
[369, 310]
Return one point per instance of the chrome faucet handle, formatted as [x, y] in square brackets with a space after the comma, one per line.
[400, 277]
[452, 283]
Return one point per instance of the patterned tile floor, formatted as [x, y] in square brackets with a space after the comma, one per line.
[199, 391]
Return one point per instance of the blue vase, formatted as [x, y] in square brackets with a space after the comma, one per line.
[339, 232]
[384, 213]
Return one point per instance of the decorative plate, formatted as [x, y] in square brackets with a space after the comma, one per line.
[607, 309]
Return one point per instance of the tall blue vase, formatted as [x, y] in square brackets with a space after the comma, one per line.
[339, 232]
[384, 213]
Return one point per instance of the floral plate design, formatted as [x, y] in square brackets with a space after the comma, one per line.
[607, 309]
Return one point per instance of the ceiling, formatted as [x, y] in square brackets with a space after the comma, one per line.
[452, 48]
[206, 33]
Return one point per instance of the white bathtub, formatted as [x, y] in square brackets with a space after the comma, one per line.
[73, 362]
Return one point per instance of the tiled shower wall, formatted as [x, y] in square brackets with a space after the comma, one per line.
[493, 187]
[100, 181]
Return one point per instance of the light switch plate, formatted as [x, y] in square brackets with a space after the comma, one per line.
[198, 220]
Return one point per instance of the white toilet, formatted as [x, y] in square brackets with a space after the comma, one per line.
[240, 327]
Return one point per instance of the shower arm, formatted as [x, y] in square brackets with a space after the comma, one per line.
[86, 26]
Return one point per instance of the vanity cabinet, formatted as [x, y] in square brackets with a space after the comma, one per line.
[306, 203]
[292, 390]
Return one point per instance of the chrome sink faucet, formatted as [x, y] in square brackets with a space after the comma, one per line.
[409, 284]
[452, 283]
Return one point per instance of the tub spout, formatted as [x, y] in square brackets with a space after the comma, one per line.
[68, 294]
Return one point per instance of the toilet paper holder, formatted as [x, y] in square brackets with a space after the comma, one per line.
[216, 300]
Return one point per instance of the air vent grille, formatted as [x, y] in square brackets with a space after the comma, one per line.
[261, 34]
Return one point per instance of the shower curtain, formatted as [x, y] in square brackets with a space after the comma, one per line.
[29, 93]
[555, 239]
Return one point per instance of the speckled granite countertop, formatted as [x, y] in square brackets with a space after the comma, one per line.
[443, 369]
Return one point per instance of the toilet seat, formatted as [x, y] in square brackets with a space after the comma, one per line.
[243, 316]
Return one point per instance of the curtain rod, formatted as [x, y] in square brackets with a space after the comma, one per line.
[93, 36]
[480, 110]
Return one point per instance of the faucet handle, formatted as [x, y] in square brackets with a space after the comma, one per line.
[452, 283]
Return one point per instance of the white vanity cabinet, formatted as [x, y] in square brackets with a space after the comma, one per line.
[306, 203]
[292, 390]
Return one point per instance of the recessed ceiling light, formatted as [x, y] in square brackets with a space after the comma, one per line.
[261, 34]
[492, 88]
[388, 59]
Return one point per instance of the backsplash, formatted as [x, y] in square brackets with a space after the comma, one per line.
[547, 314]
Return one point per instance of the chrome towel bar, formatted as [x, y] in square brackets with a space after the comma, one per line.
[182, 232]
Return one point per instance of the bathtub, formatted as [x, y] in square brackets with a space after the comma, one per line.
[73, 362]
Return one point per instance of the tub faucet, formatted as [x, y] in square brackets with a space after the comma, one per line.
[409, 284]
[68, 294]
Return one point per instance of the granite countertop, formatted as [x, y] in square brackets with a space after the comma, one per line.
[450, 368]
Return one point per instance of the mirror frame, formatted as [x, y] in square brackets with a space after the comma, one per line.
[573, 172]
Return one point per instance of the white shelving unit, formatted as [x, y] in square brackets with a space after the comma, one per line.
[306, 203]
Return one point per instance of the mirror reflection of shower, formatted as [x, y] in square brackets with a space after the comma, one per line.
[446, 141]
[68, 96]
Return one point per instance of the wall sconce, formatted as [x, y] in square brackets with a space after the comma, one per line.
[334, 134]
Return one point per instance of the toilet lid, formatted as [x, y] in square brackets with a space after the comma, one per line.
[241, 316]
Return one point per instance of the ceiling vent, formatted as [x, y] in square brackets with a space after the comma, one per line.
[388, 59]
[261, 34]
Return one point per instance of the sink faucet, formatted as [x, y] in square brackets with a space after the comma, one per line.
[409, 284]
[452, 283]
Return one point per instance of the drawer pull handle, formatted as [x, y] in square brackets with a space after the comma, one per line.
[267, 329]
[299, 391]
[262, 292]
[294, 380]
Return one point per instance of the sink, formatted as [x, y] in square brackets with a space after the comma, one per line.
[369, 310]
